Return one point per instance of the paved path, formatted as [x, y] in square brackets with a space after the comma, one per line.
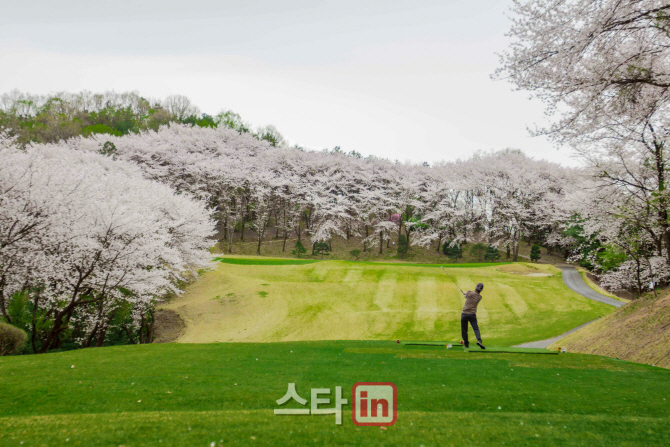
[574, 281]
[550, 341]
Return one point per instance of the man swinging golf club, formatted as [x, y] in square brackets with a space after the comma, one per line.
[469, 315]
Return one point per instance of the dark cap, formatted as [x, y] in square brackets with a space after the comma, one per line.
[479, 287]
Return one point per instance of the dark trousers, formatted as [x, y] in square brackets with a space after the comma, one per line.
[472, 319]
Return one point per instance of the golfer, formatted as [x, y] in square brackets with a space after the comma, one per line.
[469, 314]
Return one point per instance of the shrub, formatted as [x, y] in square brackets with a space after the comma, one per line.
[478, 250]
[322, 248]
[492, 254]
[355, 253]
[454, 252]
[299, 249]
[12, 339]
[535, 253]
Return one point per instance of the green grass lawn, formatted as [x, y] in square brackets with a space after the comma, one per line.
[268, 300]
[199, 394]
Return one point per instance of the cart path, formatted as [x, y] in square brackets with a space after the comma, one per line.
[573, 280]
[549, 341]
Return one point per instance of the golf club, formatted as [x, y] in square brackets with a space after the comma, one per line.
[454, 281]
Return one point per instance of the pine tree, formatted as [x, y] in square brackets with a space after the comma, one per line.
[535, 253]
[299, 249]
[478, 250]
[492, 254]
[454, 252]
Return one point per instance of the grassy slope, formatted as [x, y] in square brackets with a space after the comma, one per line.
[339, 300]
[639, 331]
[342, 248]
[193, 395]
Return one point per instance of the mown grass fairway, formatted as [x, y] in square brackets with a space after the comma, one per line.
[196, 395]
[268, 300]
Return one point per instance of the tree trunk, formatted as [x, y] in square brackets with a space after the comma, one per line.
[100, 341]
[53, 333]
[639, 280]
[261, 232]
[307, 213]
[150, 328]
[129, 334]
[2, 308]
[34, 330]
[662, 202]
[285, 231]
[515, 249]
[91, 336]
[141, 331]
[381, 241]
[231, 233]
[439, 242]
[225, 233]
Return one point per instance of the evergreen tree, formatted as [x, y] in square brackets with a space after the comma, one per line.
[492, 254]
[478, 250]
[454, 252]
[299, 249]
[322, 248]
[535, 253]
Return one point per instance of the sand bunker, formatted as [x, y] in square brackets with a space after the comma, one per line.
[523, 269]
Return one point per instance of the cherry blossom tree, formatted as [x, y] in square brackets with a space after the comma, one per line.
[602, 68]
[94, 232]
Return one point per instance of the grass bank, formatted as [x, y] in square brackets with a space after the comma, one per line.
[224, 394]
[639, 332]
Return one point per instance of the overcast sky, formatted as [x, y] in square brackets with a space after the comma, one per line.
[407, 80]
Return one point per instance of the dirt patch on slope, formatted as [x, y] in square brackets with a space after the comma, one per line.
[168, 326]
[638, 332]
